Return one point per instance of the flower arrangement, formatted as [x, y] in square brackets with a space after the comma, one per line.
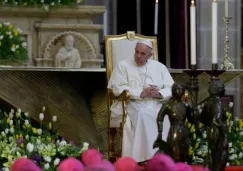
[198, 144]
[45, 4]
[12, 45]
[20, 138]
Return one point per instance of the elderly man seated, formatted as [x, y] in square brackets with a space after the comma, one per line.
[148, 82]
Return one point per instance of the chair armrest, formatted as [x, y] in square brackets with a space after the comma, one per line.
[124, 96]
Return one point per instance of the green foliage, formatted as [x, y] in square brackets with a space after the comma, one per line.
[41, 143]
[12, 45]
[198, 143]
[45, 4]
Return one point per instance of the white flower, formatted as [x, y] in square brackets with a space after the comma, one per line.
[12, 111]
[204, 135]
[3, 134]
[63, 142]
[240, 155]
[26, 122]
[12, 130]
[16, 3]
[78, 1]
[198, 140]
[30, 147]
[39, 131]
[26, 114]
[10, 115]
[46, 7]
[6, 23]
[19, 110]
[10, 139]
[13, 49]
[1, 37]
[231, 104]
[20, 30]
[6, 130]
[6, 1]
[227, 164]
[52, 4]
[232, 157]
[41, 116]
[27, 137]
[42, 1]
[54, 118]
[43, 109]
[38, 141]
[46, 166]
[241, 133]
[230, 144]
[47, 159]
[18, 154]
[232, 150]
[199, 152]
[56, 161]
[24, 44]
[11, 36]
[85, 144]
[11, 122]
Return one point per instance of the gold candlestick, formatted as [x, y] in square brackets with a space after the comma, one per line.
[226, 63]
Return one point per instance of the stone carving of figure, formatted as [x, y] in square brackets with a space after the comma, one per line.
[177, 145]
[214, 117]
[67, 55]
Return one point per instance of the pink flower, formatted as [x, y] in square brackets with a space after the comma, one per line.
[24, 164]
[126, 164]
[183, 167]
[161, 162]
[70, 164]
[91, 157]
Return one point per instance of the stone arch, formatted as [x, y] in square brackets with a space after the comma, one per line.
[82, 43]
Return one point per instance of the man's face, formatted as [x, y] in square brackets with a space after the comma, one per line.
[142, 54]
[69, 41]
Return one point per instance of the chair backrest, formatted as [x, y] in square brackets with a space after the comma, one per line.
[119, 47]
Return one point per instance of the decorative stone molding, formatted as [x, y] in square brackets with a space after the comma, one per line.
[44, 29]
[64, 12]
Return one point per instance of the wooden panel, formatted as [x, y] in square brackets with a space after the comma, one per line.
[55, 90]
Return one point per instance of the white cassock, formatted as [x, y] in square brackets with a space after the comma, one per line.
[140, 129]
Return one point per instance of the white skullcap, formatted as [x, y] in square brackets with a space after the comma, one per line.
[146, 42]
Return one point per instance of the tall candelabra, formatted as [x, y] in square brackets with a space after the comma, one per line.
[212, 111]
[226, 63]
[193, 85]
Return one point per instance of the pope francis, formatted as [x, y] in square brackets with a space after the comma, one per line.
[148, 82]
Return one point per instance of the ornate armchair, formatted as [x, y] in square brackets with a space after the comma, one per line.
[118, 47]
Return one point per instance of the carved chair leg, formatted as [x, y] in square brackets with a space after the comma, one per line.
[111, 149]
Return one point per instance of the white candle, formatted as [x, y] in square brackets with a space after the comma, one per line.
[214, 32]
[193, 32]
[226, 8]
[156, 17]
[105, 23]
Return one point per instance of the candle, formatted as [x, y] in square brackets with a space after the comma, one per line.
[226, 8]
[105, 23]
[193, 32]
[156, 17]
[214, 32]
